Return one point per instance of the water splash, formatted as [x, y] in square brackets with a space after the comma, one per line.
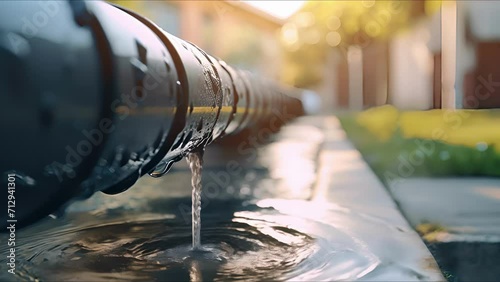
[195, 161]
[164, 166]
[21, 178]
[242, 242]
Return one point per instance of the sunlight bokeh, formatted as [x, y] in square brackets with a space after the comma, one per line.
[279, 9]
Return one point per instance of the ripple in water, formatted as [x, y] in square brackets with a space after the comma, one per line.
[253, 243]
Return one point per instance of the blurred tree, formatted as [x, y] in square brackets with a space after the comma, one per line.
[245, 46]
[321, 25]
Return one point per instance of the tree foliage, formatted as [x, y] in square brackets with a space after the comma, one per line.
[321, 25]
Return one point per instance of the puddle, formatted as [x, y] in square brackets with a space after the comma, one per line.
[258, 222]
[240, 241]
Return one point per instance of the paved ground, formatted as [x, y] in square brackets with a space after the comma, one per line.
[466, 213]
[345, 179]
[467, 208]
[357, 204]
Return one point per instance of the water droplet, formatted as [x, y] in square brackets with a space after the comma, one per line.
[21, 178]
[250, 176]
[164, 166]
[102, 162]
[245, 190]
[199, 128]
[178, 142]
[161, 169]
[134, 156]
[188, 138]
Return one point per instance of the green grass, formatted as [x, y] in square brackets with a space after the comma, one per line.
[400, 157]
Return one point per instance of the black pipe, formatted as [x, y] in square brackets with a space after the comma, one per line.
[94, 96]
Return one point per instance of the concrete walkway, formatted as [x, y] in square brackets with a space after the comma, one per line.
[347, 196]
[461, 221]
[468, 209]
[345, 179]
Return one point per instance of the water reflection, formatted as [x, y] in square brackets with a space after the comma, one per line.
[291, 162]
[249, 243]
[254, 228]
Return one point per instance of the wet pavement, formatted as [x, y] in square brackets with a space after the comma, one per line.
[467, 208]
[302, 206]
[345, 179]
[463, 217]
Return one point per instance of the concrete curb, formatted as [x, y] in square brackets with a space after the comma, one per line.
[345, 179]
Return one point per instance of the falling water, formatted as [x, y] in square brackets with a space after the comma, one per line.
[142, 234]
[195, 161]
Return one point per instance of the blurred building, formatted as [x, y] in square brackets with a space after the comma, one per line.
[401, 69]
[415, 56]
[477, 54]
[231, 30]
[420, 54]
[467, 59]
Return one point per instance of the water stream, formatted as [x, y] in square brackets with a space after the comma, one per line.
[241, 242]
[259, 224]
[195, 161]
